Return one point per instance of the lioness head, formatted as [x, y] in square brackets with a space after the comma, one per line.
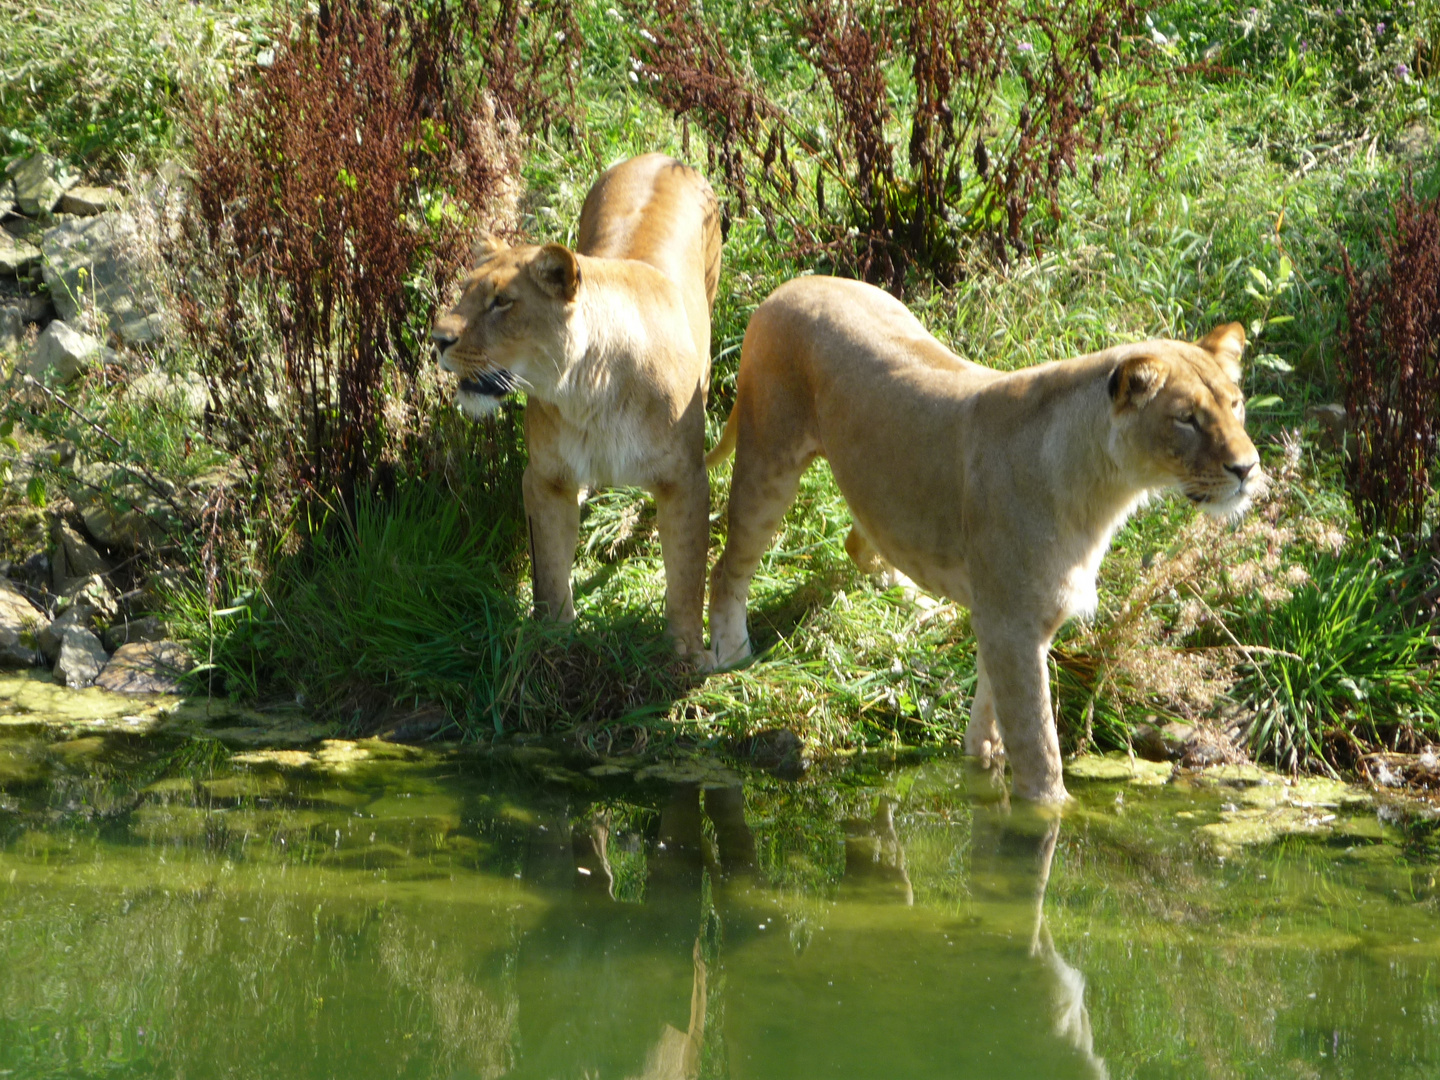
[509, 329]
[1179, 419]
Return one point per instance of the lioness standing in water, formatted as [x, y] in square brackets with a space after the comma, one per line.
[611, 344]
[1000, 490]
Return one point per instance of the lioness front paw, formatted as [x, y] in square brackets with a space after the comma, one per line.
[990, 753]
[695, 653]
[732, 656]
[987, 749]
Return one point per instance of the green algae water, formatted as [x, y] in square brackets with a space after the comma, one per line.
[170, 908]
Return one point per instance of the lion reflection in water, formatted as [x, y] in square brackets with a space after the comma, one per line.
[1010, 858]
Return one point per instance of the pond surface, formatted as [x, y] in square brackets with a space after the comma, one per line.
[168, 909]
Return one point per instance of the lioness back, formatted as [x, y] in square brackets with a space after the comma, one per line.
[659, 211]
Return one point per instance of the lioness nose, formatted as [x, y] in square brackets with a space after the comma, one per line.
[1242, 469]
[443, 338]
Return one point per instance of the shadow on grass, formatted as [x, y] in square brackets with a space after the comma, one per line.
[410, 619]
[774, 615]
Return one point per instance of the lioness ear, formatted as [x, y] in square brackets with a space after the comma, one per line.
[1136, 381]
[1226, 343]
[556, 271]
[486, 245]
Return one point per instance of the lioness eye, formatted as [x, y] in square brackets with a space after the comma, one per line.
[1186, 419]
[500, 303]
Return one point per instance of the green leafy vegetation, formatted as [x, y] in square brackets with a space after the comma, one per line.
[1343, 663]
[1227, 155]
[99, 81]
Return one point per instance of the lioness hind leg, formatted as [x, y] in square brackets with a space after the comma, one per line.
[683, 520]
[863, 554]
[760, 493]
[553, 514]
[875, 566]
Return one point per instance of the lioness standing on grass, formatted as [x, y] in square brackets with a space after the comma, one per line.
[999, 490]
[611, 344]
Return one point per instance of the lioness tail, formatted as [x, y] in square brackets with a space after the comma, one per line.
[726, 446]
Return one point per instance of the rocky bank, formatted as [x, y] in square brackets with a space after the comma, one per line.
[79, 292]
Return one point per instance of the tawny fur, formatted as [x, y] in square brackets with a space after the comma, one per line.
[998, 490]
[611, 343]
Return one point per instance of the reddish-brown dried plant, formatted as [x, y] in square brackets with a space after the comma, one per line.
[337, 191]
[972, 164]
[1391, 371]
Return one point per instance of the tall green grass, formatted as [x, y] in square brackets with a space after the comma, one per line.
[1345, 662]
[411, 601]
[418, 604]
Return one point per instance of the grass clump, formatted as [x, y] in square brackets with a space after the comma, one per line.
[409, 610]
[1343, 664]
[407, 603]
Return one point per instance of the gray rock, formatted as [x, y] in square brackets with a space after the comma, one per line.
[89, 604]
[35, 308]
[89, 201]
[75, 559]
[7, 198]
[33, 571]
[149, 667]
[131, 631]
[16, 315]
[20, 621]
[81, 659]
[1210, 747]
[1148, 744]
[1161, 743]
[104, 262]
[419, 727]
[17, 258]
[39, 181]
[12, 333]
[1415, 143]
[164, 189]
[1178, 735]
[32, 232]
[95, 593]
[50, 637]
[1333, 421]
[62, 353]
[186, 394]
[777, 749]
[126, 528]
[118, 509]
[142, 331]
